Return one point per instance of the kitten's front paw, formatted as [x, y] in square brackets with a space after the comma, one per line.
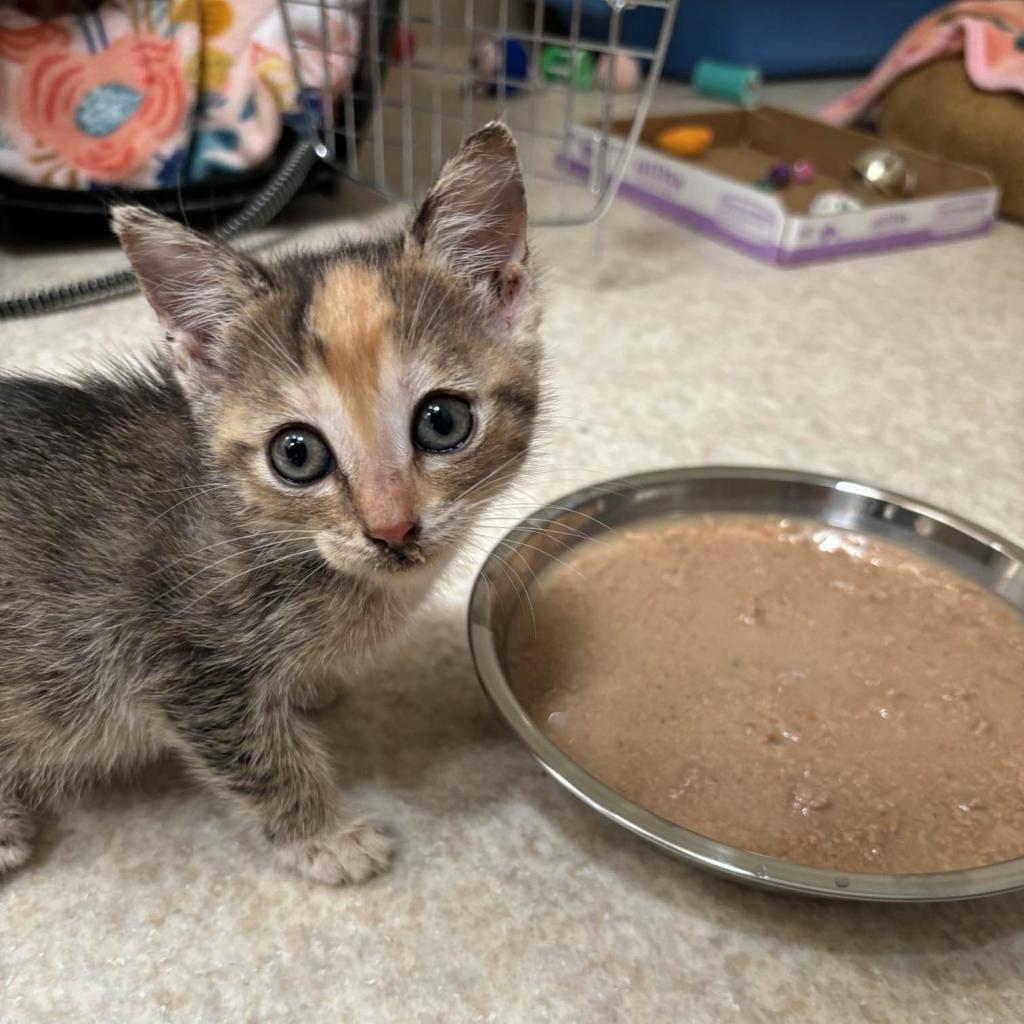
[351, 853]
[16, 834]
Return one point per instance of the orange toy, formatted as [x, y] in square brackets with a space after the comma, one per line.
[686, 140]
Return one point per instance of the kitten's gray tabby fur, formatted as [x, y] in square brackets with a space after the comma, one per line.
[178, 574]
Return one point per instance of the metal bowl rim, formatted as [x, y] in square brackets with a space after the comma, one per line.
[733, 862]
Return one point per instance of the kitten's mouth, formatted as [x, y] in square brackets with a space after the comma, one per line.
[373, 558]
[398, 559]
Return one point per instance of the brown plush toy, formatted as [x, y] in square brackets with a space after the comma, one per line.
[936, 108]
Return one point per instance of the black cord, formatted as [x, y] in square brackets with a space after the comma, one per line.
[258, 212]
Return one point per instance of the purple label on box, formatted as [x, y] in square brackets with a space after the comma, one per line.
[751, 226]
[659, 174]
[741, 216]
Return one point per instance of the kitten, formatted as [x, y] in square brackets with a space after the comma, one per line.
[186, 548]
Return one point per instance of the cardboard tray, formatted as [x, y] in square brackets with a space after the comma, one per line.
[715, 192]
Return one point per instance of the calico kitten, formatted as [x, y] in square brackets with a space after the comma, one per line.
[186, 548]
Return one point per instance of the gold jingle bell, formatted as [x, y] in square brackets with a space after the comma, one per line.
[883, 172]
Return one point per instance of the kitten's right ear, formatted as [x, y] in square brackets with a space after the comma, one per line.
[195, 285]
[474, 219]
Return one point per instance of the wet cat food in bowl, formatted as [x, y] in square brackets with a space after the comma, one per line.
[794, 680]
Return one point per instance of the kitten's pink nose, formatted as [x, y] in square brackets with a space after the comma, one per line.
[394, 535]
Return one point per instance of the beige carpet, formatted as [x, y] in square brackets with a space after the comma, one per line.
[510, 901]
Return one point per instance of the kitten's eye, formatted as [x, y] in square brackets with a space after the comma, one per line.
[300, 455]
[442, 423]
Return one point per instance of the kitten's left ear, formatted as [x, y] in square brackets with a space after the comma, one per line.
[196, 286]
[474, 218]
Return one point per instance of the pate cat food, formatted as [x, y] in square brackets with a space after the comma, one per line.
[787, 688]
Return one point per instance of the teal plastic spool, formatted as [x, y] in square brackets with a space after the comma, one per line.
[733, 82]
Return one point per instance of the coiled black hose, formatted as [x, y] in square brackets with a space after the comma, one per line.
[258, 212]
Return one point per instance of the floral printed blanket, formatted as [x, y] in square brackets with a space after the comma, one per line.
[158, 93]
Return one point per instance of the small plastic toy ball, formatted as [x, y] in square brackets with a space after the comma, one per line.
[827, 204]
[780, 175]
[764, 184]
[623, 70]
[803, 171]
[403, 43]
[687, 140]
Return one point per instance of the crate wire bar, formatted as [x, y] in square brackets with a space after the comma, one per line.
[403, 112]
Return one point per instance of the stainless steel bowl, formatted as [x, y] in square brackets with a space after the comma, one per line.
[977, 554]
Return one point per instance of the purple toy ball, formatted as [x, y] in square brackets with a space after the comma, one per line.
[779, 175]
[803, 171]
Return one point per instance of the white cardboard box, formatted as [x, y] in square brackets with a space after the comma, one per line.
[953, 201]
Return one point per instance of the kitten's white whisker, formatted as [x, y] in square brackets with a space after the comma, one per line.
[523, 544]
[580, 480]
[184, 501]
[298, 585]
[479, 483]
[515, 551]
[572, 511]
[225, 558]
[535, 531]
[191, 487]
[510, 574]
[539, 507]
[238, 540]
[510, 519]
[245, 572]
[487, 499]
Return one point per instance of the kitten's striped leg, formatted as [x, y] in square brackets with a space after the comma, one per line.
[17, 832]
[271, 757]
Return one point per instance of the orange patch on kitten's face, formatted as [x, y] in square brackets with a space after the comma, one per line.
[357, 322]
[234, 426]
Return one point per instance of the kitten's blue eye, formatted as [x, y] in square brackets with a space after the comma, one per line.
[300, 455]
[442, 423]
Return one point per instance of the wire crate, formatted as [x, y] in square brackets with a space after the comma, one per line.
[404, 112]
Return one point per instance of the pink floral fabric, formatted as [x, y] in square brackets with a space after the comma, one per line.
[989, 35]
[156, 93]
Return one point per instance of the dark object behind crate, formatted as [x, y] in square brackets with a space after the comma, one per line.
[784, 38]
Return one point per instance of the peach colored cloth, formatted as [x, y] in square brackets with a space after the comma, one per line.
[989, 35]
